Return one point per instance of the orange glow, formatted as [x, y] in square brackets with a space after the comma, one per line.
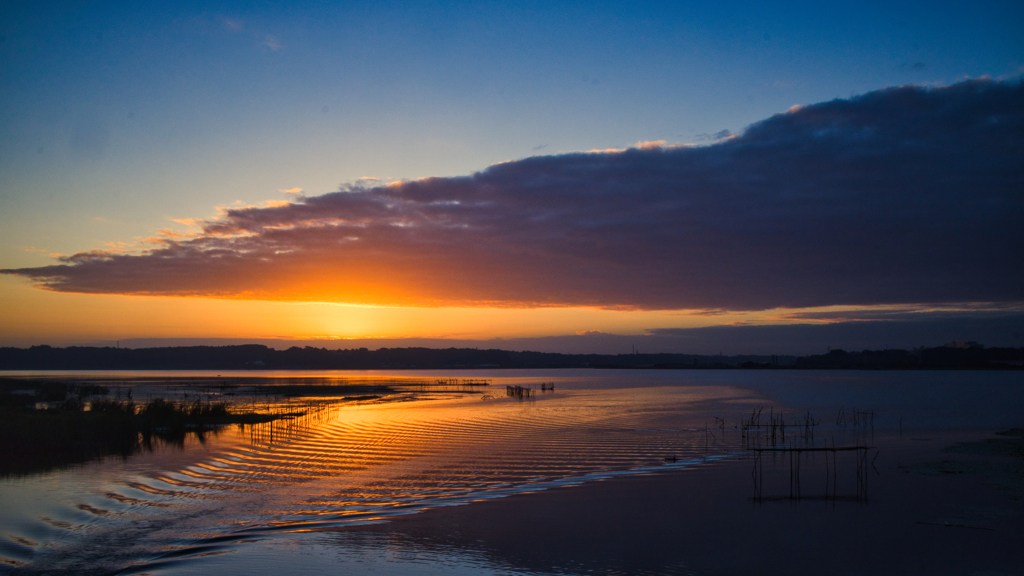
[366, 461]
[41, 317]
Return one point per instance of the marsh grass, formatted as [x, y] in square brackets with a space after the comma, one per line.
[80, 429]
[46, 424]
[39, 440]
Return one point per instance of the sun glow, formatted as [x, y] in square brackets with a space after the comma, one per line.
[39, 317]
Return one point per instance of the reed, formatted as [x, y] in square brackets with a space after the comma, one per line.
[79, 430]
[519, 392]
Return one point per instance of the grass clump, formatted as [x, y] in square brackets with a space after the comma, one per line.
[76, 429]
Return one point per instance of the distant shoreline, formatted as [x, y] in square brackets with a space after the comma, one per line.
[959, 356]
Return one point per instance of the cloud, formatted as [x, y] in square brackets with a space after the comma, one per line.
[901, 195]
[649, 144]
[291, 190]
[907, 312]
[716, 137]
[797, 339]
[906, 332]
[168, 233]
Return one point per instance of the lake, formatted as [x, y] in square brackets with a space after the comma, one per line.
[611, 472]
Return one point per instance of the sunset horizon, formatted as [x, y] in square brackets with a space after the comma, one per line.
[566, 244]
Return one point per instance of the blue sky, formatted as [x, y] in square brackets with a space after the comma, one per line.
[119, 118]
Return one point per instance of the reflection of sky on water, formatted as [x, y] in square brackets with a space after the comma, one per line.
[398, 555]
[359, 464]
[925, 399]
[696, 521]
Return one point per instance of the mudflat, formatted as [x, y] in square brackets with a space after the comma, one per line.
[706, 520]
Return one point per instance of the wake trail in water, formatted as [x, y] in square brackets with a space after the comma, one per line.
[367, 464]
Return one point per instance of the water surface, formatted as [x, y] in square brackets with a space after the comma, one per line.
[256, 497]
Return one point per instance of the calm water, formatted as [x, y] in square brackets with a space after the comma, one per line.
[310, 493]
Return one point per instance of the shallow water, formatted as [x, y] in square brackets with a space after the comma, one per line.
[265, 497]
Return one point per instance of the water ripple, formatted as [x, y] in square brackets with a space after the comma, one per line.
[357, 464]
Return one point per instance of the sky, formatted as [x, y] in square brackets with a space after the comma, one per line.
[695, 177]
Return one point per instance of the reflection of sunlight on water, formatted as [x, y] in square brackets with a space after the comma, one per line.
[361, 462]
[355, 463]
[383, 457]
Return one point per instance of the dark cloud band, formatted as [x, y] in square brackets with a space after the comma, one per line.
[900, 195]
